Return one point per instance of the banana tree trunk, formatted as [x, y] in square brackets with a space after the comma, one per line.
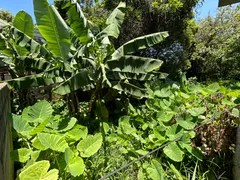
[73, 104]
[236, 158]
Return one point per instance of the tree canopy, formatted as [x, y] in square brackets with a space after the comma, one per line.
[217, 46]
[6, 16]
[148, 16]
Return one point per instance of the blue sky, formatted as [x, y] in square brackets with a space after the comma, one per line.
[209, 6]
[14, 6]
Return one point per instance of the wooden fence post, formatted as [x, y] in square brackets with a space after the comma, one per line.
[6, 165]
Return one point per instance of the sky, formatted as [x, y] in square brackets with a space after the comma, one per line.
[13, 6]
[209, 7]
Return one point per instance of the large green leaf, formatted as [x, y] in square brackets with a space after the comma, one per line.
[25, 113]
[174, 131]
[174, 152]
[115, 21]
[39, 171]
[186, 122]
[115, 75]
[90, 145]
[21, 126]
[196, 111]
[75, 164]
[37, 144]
[133, 64]
[194, 151]
[79, 23]
[77, 134]
[23, 22]
[39, 128]
[140, 43]
[39, 64]
[21, 155]
[40, 111]
[53, 28]
[52, 141]
[129, 88]
[23, 40]
[155, 171]
[32, 81]
[165, 116]
[62, 125]
[4, 48]
[80, 80]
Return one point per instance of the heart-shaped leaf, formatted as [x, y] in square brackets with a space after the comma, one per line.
[40, 111]
[174, 152]
[37, 144]
[165, 116]
[20, 125]
[39, 170]
[90, 145]
[155, 171]
[52, 141]
[75, 165]
[186, 122]
[21, 155]
[196, 111]
[77, 134]
[174, 131]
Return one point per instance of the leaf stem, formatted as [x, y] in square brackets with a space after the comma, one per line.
[55, 157]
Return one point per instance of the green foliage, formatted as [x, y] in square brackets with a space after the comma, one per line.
[24, 23]
[6, 16]
[53, 137]
[39, 170]
[145, 17]
[77, 56]
[90, 145]
[216, 54]
[169, 115]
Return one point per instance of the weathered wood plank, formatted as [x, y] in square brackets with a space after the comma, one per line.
[6, 165]
[227, 2]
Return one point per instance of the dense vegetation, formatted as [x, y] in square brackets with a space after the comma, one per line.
[216, 55]
[110, 100]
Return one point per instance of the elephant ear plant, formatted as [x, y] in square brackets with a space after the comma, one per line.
[76, 55]
[65, 144]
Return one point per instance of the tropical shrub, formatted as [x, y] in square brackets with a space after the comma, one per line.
[170, 114]
[76, 55]
[59, 139]
[215, 53]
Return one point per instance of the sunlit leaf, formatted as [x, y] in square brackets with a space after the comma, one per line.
[90, 145]
[174, 152]
[39, 170]
[21, 155]
[52, 141]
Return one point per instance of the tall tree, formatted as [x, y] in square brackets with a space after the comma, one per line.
[217, 46]
[6, 16]
[150, 16]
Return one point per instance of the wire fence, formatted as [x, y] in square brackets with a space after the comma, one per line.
[161, 147]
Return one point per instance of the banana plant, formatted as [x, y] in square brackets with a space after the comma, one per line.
[110, 67]
[76, 55]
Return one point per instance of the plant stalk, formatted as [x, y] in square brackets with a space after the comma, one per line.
[55, 157]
